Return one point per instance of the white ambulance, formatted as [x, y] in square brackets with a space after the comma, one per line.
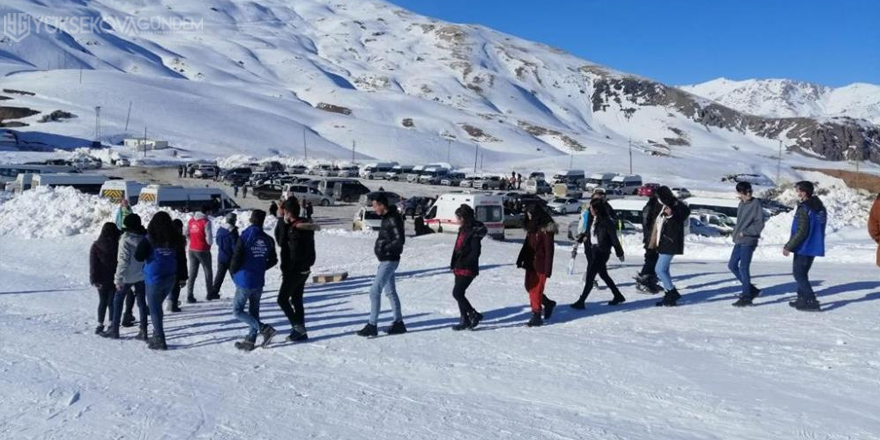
[489, 210]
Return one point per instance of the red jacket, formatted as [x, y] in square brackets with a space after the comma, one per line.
[199, 232]
[537, 251]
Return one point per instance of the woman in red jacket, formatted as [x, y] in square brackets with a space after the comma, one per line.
[536, 257]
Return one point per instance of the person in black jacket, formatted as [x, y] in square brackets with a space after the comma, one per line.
[465, 264]
[102, 268]
[389, 246]
[667, 238]
[646, 280]
[182, 271]
[599, 238]
[296, 267]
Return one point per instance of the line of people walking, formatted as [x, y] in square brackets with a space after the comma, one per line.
[147, 266]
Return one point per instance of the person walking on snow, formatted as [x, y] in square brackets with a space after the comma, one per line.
[646, 280]
[102, 268]
[254, 254]
[244, 191]
[600, 238]
[746, 233]
[122, 212]
[295, 269]
[227, 236]
[389, 246]
[159, 254]
[182, 274]
[536, 257]
[200, 233]
[235, 190]
[807, 242]
[874, 225]
[465, 264]
[667, 238]
[129, 275]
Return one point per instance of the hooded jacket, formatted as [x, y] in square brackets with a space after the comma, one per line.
[536, 253]
[128, 269]
[649, 216]
[672, 233]
[254, 254]
[808, 229]
[467, 256]
[749, 222]
[606, 236]
[300, 246]
[102, 262]
[160, 263]
[227, 235]
[389, 243]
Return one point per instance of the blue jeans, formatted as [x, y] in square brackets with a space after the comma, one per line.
[662, 270]
[740, 264]
[801, 269]
[119, 299]
[156, 294]
[252, 316]
[384, 281]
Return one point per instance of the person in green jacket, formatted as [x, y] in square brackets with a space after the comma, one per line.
[122, 212]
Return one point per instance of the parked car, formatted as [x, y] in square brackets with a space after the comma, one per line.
[398, 172]
[268, 191]
[303, 192]
[467, 182]
[564, 206]
[205, 171]
[233, 174]
[697, 227]
[393, 198]
[86, 163]
[122, 162]
[453, 179]
[681, 193]
[297, 169]
[538, 186]
[490, 182]
[366, 220]
[415, 206]
[348, 191]
[720, 222]
[273, 166]
[537, 175]
[351, 171]
[647, 190]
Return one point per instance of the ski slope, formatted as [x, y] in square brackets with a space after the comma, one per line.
[702, 370]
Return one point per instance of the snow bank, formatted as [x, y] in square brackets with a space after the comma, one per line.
[48, 212]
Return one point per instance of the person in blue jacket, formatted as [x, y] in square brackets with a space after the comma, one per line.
[159, 254]
[807, 242]
[254, 254]
[227, 236]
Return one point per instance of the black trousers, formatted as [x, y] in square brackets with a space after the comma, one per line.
[651, 257]
[222, 268]
[290, 297]
[458, 292]
[599, 267]
[105, 302]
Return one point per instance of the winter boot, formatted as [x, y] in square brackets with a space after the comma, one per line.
[618, 299]
[246, 344]
[369, 331]
[742, 302]
[548, 308]
[754, 293]
[157, 343]
[142, 334]
[99, 329]
[475, 317]
[191, 299]
[463, 324]
[267, 332]
[807, 305]
[579, 304]
[397, 328]
[127, 320]
[298, 334]
[111, 333]
[213, 296]
[670, 298]
[173, 306]
[535, 321]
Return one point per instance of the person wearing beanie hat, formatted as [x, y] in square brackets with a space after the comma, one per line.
[129, 276]
[227, 236]
[465, 264]
[746, 233]
[807, 242]
[667, 238]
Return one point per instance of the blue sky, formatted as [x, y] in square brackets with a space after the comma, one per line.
[682, 42]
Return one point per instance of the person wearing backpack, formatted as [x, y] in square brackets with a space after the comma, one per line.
[129, 276]
[200, 233]
[295, 269]
[102, 268]
[159, 254]
[227, 236]
[600, 237]
[254, 254]
[465, 265]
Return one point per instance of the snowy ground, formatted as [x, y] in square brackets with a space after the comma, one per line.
[700, 371]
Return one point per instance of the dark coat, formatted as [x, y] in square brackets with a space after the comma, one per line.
[467, 257]
[281, 238]
[649, 215]
[672, 235]
[389, 244]
[102, 262]
[180, 250]
[537, 250]
[300, 246]
[227, 236]
[606, 235]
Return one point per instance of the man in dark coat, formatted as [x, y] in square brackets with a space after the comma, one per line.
[807, 242]
[296, 266]
[646, 280]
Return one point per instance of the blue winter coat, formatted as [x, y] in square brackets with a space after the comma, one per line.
[226, 239]
[808, 229]
[254, 254]
[160, 263]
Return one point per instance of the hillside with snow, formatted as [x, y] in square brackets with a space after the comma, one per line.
[786, 98]
[371, 80]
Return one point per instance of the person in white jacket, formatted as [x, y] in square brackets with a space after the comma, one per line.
[129, 275]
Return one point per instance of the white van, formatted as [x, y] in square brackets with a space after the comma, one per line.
[627, 184]
[378, 170]
[87, 183]
[570, 176]
[599, 180]
[187, 198]
[117, 190]
[398, 172]
[629, 209]
[433, 176]
[489, 209]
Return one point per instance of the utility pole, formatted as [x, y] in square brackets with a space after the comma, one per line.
[305, 146]
[779, 162]
[448, 148]
[476, 156]
[97, 125]
[128, 118]
[482, 155]
[353, 146]
[145, 142]
[571, 160]
[630, 156]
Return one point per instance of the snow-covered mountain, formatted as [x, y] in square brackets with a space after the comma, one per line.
[786, 98]
[236, 76]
